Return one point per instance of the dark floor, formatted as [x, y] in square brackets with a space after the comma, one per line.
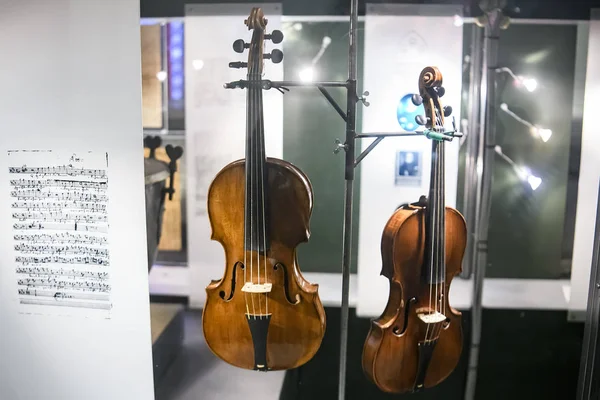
[524, 355]
[197, 374]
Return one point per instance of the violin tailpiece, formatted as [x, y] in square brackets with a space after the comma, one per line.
[259, 328]
[425, 353]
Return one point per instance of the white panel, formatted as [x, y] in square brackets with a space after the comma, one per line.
[589, 177]
[397, 48]
[71, 81]
[216, 120]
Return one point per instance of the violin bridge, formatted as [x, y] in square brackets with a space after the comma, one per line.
[432, 318]
[250, 287]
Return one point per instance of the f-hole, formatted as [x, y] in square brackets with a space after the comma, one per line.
[396, 330]
[233, 275]
[286, 281]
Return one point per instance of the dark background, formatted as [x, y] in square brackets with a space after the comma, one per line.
[557, 9]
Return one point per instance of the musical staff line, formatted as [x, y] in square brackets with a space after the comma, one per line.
[42, 183]
[60, 284]
[89, 260]
[65, 238]
[60, 226]
[59, 205]
[63, 295]
[40, 271]
[67, 170]
[43, 249]
[64, 303]
[55, 216]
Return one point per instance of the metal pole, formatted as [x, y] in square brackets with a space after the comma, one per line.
[349, 176]
[589, 387]
[493, 20]
[472, 185]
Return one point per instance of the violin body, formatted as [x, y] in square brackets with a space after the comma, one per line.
[395, 350]
[296, 319]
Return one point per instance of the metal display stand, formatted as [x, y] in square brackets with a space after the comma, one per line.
[589, 384]
[492, 21]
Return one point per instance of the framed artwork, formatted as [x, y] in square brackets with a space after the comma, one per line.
[408, 168]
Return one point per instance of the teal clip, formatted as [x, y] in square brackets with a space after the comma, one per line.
[448, 135]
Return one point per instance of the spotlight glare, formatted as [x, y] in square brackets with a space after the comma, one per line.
[326, 41]
[297, 26]
[503, 107]
[529, 83]
[198, 64]
[458, 20]
[534, 181]
[544, 134]
[306, 74]
[161, 76]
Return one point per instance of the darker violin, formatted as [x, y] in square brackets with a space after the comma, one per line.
[417, 342]
[262, 314]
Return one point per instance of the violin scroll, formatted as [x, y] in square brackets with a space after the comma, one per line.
[258, 23]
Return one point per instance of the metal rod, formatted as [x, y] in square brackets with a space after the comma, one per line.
[487, 148]
[368, 150]
[309, 84]
[349, 175]
[385, 134]
[587, 387]
[472, 185]
[333, 103]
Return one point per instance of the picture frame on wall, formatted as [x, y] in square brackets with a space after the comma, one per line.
[408, 168]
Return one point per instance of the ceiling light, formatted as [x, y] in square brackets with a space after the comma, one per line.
[306, 74]
[161, 76]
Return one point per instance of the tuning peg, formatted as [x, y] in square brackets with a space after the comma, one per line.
[416, 100]
[238, 64]
[421, 120]
[239, 46]
[276, 36]
[276, 56]
[447, 111]
[441, 91]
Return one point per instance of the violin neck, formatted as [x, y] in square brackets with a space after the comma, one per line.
[435, 238]
[256, 201]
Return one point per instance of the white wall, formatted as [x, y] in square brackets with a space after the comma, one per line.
[589, 176]
[216, 120]
[400, 40]
[71, 80]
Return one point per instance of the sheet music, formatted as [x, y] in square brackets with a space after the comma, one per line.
[59, 214]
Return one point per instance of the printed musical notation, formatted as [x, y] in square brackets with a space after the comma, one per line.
[59, 211]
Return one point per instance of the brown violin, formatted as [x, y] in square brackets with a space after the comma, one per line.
[262, 314]
[417, 342]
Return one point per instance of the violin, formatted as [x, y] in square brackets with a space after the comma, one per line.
[262, 314]
[417, 342]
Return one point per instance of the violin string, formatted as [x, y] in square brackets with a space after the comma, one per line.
[431, 223]
[246, 211]
[440, 209]
[262, 179]
[443, 229]
[259, 193]
[251, 89]
[436, 210]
